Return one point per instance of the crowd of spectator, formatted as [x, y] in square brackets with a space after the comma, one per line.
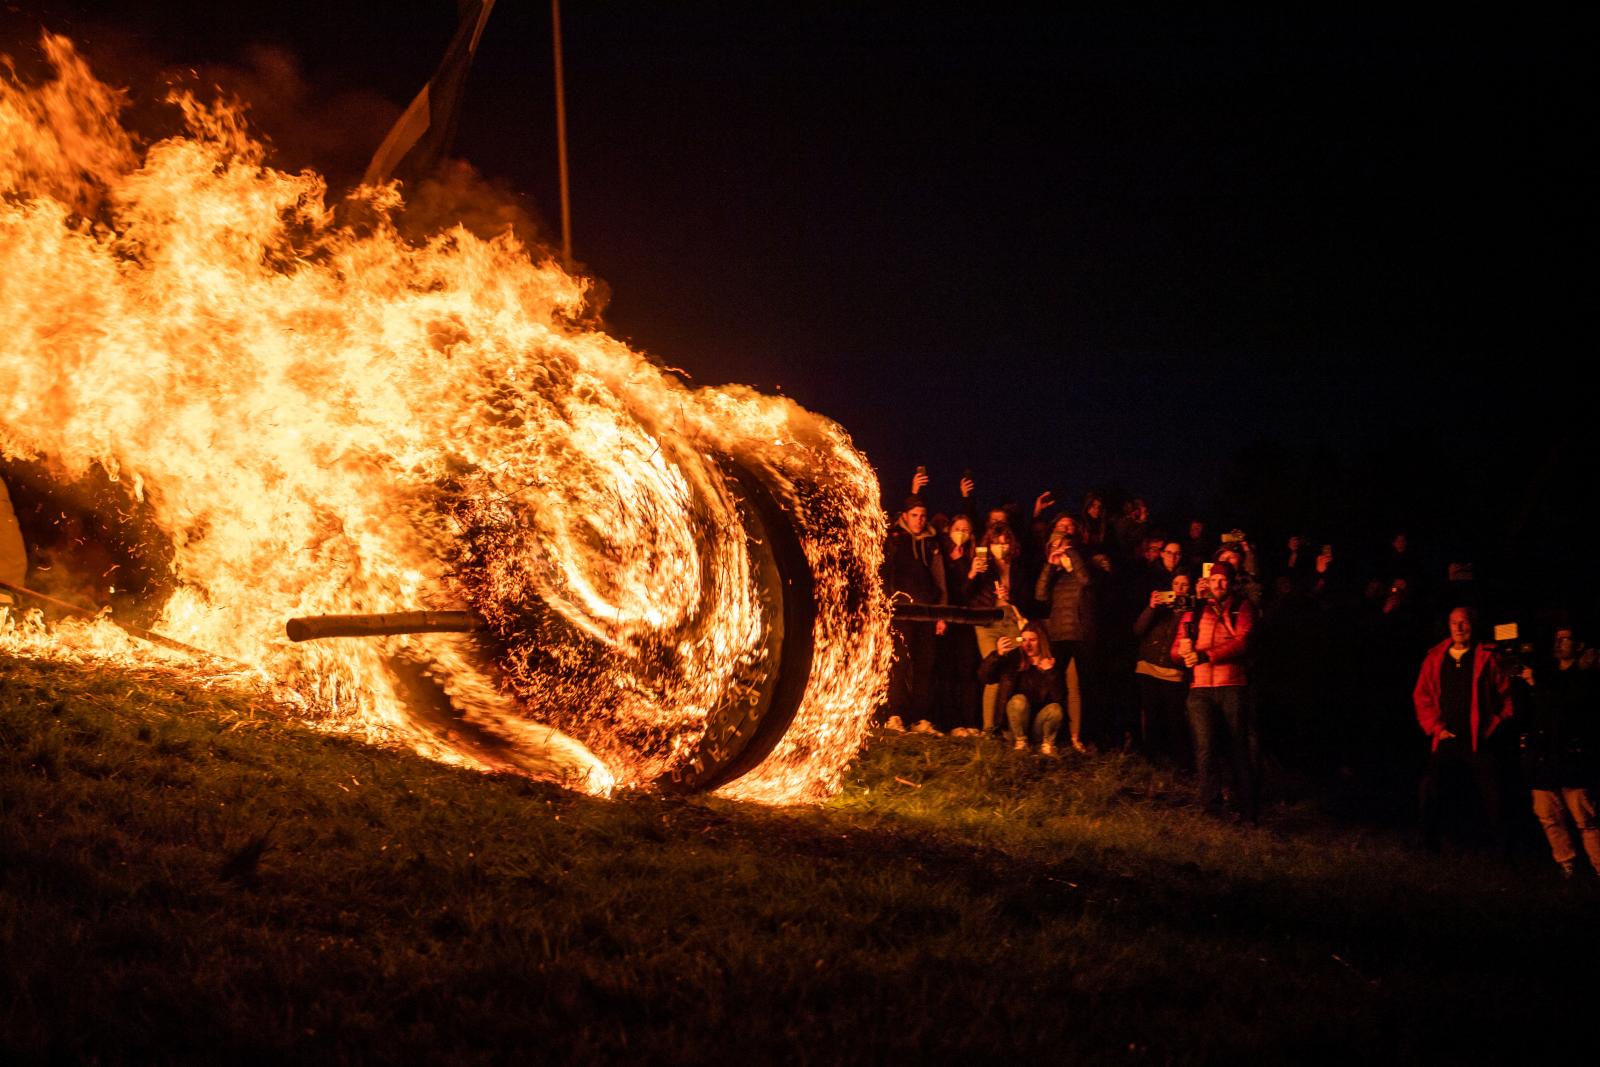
[1096, 627]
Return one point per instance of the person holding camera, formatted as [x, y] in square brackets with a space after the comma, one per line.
[1561, 751]
[1461, 699]
[1024, 673]
[1162, 726]
[1214, 640]
[1237, 553]
[1066, 586]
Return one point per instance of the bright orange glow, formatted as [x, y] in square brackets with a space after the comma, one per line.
[325, 418]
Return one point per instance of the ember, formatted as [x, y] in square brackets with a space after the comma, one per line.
[326, 419]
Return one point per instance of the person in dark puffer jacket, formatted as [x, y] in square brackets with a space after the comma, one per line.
[1066, 587]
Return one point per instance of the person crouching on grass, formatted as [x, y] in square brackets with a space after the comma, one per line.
[1029, 687]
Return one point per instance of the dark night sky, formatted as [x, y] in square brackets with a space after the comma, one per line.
[1057, 249]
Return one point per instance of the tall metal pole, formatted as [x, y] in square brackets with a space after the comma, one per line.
[561, 138]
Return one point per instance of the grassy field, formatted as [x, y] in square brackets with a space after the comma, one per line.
[185, 877]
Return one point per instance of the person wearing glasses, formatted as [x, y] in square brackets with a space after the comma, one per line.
[1167, 564]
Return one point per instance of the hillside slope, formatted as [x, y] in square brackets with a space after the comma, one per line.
[184, 876]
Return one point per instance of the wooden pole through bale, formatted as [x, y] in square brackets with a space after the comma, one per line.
[387, 624]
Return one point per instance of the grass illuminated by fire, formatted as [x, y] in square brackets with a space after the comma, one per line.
[186, 875]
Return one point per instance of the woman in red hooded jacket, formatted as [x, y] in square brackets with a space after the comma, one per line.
[1214, 641]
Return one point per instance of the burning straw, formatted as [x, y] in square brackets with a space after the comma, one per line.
[325, 418]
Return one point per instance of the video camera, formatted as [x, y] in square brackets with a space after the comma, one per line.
[1188, 601]
[1234, 537]
[1179, 602]
[1513, 655]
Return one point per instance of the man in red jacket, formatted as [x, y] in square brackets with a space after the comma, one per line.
[1461, 698]
[1214, 641]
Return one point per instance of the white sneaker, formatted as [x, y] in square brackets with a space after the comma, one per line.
[1078, 746]
[1021, 744]
[895, 723]
[924, 727]
[1048, 748]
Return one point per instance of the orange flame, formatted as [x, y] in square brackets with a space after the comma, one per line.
[325, 418]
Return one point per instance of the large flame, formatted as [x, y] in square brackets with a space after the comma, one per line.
[326, 418]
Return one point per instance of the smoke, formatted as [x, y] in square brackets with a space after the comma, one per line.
[303, 125]
[458, 195]
[333, 135]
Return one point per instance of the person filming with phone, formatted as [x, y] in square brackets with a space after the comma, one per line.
[1023, 670]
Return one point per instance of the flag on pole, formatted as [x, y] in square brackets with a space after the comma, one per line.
[424, 132]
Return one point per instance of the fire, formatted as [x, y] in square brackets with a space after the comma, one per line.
[326, 418]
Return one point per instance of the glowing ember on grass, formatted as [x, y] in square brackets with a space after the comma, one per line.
[325, 418]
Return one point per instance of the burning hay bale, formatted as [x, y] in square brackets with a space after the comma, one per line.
[322, 417]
